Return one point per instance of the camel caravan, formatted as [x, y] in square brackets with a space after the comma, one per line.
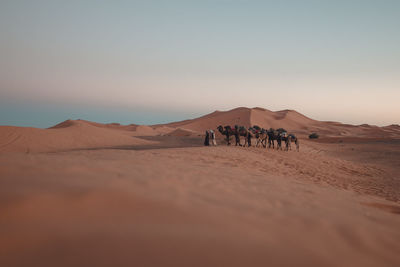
[262, 136]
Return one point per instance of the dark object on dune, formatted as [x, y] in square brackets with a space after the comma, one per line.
[207, 139]
[313, 136]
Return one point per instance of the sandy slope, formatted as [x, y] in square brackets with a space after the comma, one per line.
[159, 200]
[73, 134]
[217, 206]
[239, 116]
[65, 136]
[289, 119]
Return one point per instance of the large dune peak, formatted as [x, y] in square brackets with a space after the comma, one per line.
[288, 119]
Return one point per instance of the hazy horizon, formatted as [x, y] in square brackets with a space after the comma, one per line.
[153, 62]
[50, 116]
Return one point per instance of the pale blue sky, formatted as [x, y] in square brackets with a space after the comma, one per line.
[157, 61]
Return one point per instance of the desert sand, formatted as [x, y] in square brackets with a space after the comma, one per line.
[90, 194]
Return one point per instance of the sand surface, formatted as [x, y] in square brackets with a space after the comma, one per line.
[291, 120]
[68, 135]
[116, 197]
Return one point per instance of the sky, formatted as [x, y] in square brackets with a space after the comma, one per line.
[152, 62]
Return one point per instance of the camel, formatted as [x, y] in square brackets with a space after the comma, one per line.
[288, 138]
[260, 134]
[275, 135]
[272, 136]
[228, 132]
[243, 131]
[237, 131]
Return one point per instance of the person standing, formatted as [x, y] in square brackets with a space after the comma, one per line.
[207, 139]
[249, 139]
[212, 135]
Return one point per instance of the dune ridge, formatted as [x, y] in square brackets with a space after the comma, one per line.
[290, 120]
[232, 117]
[74, 134]
[70, 134]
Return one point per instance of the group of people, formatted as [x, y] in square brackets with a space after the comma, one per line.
[210, 138]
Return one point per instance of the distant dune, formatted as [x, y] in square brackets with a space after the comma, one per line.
[114, 125]
[181, 132]
[240, 116]
[73, 134]
[291, 120]
[68, 135]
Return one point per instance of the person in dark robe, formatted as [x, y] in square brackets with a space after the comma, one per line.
[279, 141]
[237, 137]
[249, 139]
[207, 139]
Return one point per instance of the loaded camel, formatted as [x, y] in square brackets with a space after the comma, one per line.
[272, 136]
[228, 132]
[289, 138]
[260, 134]
[281, 135]
[237, 131]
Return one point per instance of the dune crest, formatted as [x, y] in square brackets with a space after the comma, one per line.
[68, 135]
[290, 120]
[113, 125]
[74, 134]
[181, 132]
[240, 116]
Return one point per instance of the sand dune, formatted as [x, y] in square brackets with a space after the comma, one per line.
[144, 130]
[181, 132]
[107, 197]
[239, 116]
[287, 119]
[64, 136]
[290, 120]
[114, 125]
[72, 134]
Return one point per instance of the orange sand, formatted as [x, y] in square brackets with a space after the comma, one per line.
[106, 197]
